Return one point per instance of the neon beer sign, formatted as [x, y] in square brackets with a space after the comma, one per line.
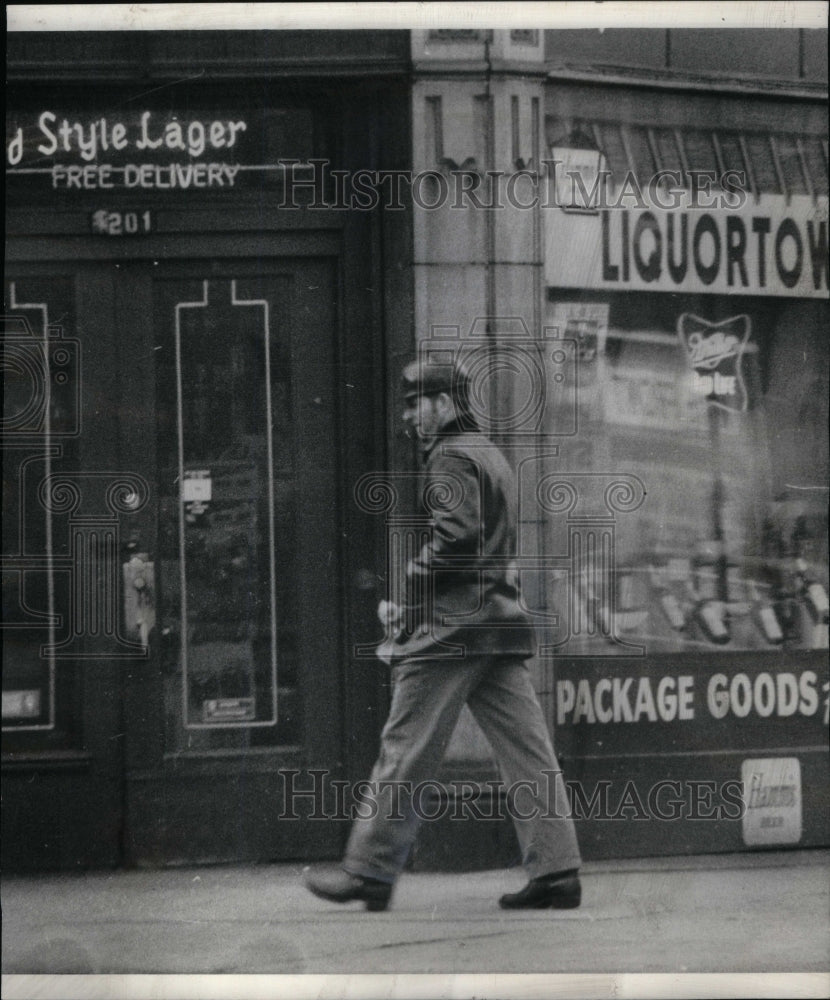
[55, 136]
[149, 150]
[715, 352]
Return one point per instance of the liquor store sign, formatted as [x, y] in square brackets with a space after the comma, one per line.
[775, 246]
[735, 728]
[619, 702]
[147, 150]
[675, 697]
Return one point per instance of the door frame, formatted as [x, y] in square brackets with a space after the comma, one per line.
[169, 791]
[152, 781]
[64, 792]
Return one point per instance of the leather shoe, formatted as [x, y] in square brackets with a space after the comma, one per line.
[548, 892]
[343, 887]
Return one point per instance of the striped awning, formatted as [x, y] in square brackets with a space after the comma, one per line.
[774, 162]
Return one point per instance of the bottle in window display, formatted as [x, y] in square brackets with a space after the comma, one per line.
[712, 619]
[798, 593]
[808, 587]
[674, 613]
[710, 586]
[811, 592]
[763, 614]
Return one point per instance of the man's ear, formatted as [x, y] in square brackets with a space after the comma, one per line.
[445, 400]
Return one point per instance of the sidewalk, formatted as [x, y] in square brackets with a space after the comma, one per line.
[766, 912]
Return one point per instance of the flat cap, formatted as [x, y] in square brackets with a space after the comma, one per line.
[429, 376]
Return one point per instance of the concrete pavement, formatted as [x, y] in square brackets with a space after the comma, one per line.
[763, 912]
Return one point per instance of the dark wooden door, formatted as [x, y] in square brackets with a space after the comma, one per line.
[234, 421]
[65, 496]
[172, 556]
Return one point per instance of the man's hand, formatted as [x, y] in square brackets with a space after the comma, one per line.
[390, 615]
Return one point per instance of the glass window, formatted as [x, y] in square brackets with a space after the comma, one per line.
[227, 513]
[718, 406]
[41, 423]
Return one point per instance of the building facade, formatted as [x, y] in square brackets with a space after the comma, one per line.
[220, 249]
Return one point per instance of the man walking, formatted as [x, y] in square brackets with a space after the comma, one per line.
[461, 638]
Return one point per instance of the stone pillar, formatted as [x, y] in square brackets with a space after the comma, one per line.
[477, 119]
[477, 141]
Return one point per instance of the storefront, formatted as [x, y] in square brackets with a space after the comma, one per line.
[220, 248]
[193, 370]
[688, 264]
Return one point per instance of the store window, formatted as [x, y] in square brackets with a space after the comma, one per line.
[227, 513]
[41, 424]
[718, 406]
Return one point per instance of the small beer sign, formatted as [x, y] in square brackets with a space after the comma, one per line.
[715, 352]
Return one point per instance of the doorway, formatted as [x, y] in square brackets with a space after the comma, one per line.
[209, 380]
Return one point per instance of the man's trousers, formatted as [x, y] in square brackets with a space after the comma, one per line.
[427, 698]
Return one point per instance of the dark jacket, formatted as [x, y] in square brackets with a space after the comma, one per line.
[461, 586]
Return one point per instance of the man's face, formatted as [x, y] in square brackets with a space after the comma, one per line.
[425, 415]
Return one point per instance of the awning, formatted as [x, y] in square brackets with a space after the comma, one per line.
[774, 162]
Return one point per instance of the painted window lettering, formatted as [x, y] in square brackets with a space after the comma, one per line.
[101, 135]
[108, 223]
[147, 176]
[782, 695]
[173, 136]
[625, 699]
[669, 698]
